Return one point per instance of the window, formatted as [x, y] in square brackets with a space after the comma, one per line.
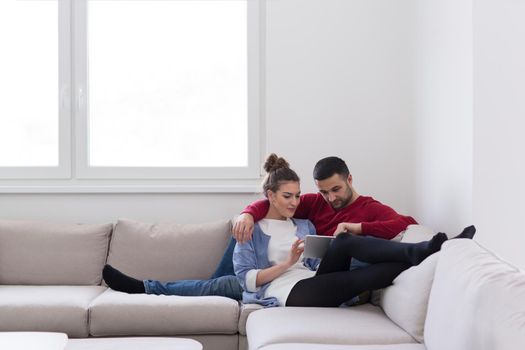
[33, 122]
[156, 89]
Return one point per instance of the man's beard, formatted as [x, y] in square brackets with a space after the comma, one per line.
[344, 202]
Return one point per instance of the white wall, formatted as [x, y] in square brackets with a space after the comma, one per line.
[443, 114]
[101, 208]
[469, 120]
[338, 82]
[499, 126]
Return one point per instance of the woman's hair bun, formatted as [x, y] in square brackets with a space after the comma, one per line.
[273, 162]
[277, 172]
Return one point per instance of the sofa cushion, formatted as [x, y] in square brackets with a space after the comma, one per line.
[357, 325]
[413, 234]
[477, 301]
[47, 308]
[405, 301]
[115, 314]
[169, 251]
[301, 346]
[41, 253]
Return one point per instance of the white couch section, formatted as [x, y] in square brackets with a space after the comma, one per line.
[476, 302]
[302, 346]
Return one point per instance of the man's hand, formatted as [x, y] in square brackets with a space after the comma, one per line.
[243, 228]
[349, 227]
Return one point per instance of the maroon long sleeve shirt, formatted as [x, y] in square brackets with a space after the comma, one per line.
[376, 219]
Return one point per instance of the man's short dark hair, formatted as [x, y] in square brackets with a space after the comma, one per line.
[329, 166]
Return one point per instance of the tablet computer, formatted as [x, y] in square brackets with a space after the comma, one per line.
[316, 246]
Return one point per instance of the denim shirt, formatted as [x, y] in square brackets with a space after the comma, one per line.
[254, 255]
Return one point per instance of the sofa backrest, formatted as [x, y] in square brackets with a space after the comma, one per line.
[168, 251]
[477, 301]
[42, 253]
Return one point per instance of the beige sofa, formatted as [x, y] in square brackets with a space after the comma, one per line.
[50, 280]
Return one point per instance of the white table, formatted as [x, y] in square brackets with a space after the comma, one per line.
[32, 341]
[133, 343]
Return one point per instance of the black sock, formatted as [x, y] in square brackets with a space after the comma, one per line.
[468, 232]
[120, 282]
[422, 250]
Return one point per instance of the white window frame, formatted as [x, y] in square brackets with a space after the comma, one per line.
[85, 171]
[75, 176]
[63, 170]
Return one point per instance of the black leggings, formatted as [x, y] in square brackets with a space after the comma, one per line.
[334, 283]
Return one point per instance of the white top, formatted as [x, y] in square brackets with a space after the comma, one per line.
[282, 235]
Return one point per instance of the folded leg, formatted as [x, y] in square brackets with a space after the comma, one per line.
[333, 289]
[375, 250]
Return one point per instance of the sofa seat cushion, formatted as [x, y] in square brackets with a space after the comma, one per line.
[119, 314]
[300, 346]
[47, 308]
[364, 324]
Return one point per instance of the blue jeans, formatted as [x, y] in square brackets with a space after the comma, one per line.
[222, 283]
[224, 286]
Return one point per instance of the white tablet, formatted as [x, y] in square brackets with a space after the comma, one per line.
[316, 246]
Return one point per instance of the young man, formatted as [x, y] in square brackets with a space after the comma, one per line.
[336, 208]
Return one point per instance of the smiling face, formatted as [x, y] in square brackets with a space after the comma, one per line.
[284, 201]
[336, 190]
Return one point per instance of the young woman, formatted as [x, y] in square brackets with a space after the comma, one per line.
[272, 272]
